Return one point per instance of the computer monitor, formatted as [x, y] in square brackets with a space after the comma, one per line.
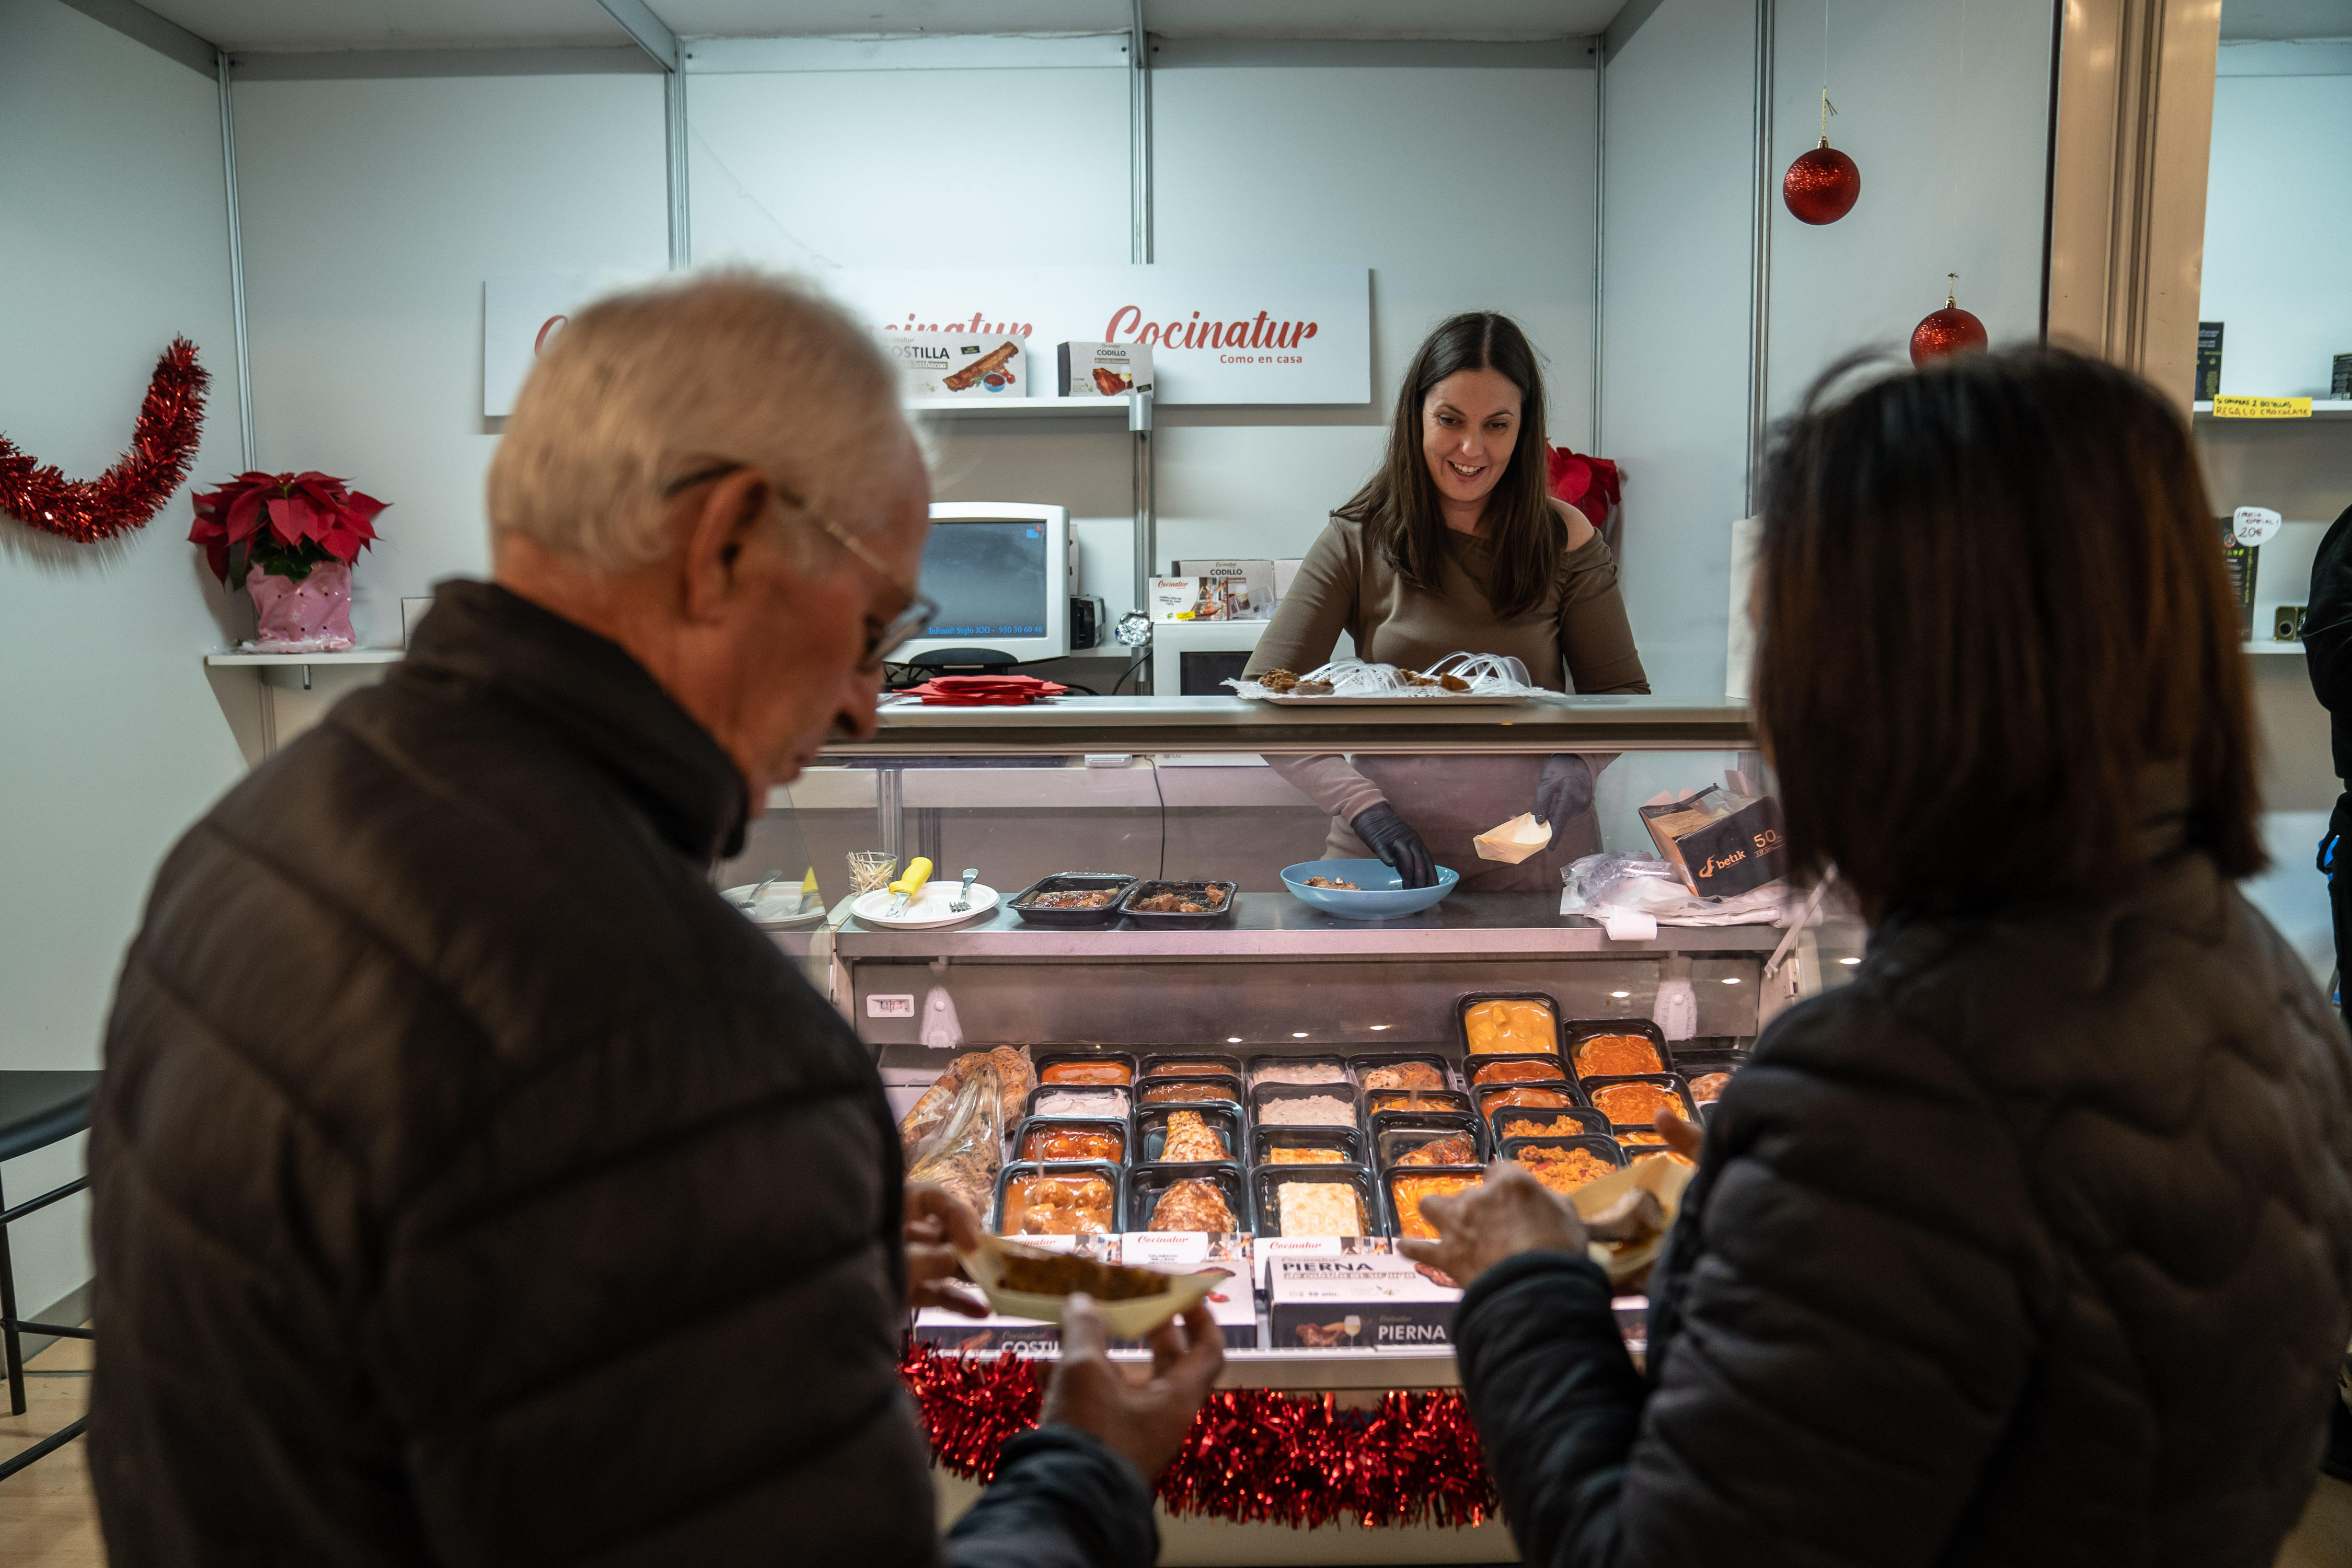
[1000, 574]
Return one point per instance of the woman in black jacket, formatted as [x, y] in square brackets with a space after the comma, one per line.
[2034, 1242]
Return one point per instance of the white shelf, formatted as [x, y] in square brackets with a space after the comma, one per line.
[288, 660]
[1018, 407]
[2321, 408]
[2264, 645]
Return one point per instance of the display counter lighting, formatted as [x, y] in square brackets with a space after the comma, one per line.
[1376, 1028]
[1731, 980]
[1232, 1039]
[1849, 961]
[1297, 1034]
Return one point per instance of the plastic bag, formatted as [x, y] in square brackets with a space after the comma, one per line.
[1629, 882]
[1015, 1078]
[969, 1150]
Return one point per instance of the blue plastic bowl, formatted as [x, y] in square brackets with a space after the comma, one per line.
[1383, 896]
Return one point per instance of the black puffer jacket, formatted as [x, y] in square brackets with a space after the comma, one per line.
[474, 1186]
[2033, 1244]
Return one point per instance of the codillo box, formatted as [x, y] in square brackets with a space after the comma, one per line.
[1718, 843]
[1355, 1301]
[1102, 370]
[941, 364]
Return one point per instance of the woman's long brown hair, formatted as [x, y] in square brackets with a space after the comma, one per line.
[1398, 505]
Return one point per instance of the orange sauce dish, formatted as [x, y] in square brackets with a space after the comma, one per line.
[1508, 1026]
[1617, 1056]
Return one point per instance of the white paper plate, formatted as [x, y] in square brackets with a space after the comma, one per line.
[1130, 1319]
[1666, 1178]
[930, 906]
[779, 911]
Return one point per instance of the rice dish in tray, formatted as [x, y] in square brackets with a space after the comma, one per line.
[1321, 1209]
[1300, 1072]
[1563, 1170]
[1307, 1110]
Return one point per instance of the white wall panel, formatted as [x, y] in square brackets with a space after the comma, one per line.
[118, 240]
[373, 212]
[1680, 155]
[2278, 230]
[1463, 188]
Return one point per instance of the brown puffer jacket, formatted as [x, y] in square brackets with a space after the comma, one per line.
[475, 1188]
[2033, 1244]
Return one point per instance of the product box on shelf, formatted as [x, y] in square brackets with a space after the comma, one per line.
[1101, 370]
[2209, 360]
[1719, 843]
[1207, 597]
[1234, 1303]
[1356, 1300]
[942, 364]
[1244, 589]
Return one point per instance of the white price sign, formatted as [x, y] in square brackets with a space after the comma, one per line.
[2255, 525]
[890, 1006]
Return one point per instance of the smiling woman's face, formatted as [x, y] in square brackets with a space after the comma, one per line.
[1469, 423]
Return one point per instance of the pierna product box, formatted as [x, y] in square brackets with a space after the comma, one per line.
[1101, 370]
[1360, 1301]
[1720, 844]
[941, 364]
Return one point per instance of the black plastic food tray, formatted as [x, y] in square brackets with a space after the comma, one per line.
[1267, 1094]
[1229, 1094]
[1362, 1065]
[1017, 1169]
[1157, 1064]
[1594, 1086]
[1264, 1140]
[1029, 1124]
[1574, 1034]
[1391, 1144]
[1430, 1121]
[1553, 1068]
[1604, 1147]
[1168, 918]
[1462, 1006]
[1488, 1098]
[1073, 883]
[1500, 1123]
[1394, 1216]
[1266, 1182]
[1125, 1091]
[1151, 1132]
[1042, 1059]
[1345, 1083]
[1427, 1101]
[1147, 1183]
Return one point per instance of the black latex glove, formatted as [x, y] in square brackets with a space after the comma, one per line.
[1564, 793]
[1393, 838]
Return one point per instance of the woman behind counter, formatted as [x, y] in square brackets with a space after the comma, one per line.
[1455, 546]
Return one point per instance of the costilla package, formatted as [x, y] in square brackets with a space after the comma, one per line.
[941, 364]
[1102, 370]
[1718, 843]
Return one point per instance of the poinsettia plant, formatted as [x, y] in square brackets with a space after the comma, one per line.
[283, 523]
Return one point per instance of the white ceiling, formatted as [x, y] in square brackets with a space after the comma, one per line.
[427, 24]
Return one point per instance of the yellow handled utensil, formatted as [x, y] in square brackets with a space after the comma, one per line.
[919, 871]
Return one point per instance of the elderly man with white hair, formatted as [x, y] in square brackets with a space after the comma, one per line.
[472, 1185]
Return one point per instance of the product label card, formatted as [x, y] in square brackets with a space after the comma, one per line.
[942, 364]
[2262, 408]
[890, 1006]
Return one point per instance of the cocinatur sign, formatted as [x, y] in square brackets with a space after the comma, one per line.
[1217, 334]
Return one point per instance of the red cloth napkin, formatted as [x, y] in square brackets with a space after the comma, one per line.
[983, 690]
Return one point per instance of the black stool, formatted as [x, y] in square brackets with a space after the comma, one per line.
[36, 1109]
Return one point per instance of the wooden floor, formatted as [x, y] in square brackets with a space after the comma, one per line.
[46, 1517]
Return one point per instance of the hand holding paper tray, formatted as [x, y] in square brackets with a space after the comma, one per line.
[1513, 841]
[1031, 1282]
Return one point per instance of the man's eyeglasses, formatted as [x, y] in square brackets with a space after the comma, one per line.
[883, 639]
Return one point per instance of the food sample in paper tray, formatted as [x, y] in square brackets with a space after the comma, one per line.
[1305, 1157]
[1057, 1205]
[1034, 1273]
[1411, 1191]
[1635, 1104]
[1709, 1087]
[1053, 1144]
[1085, 1072]
[1205, 900]
[1404, 1074]
[1193, 1205]
[1183, 1093]
[1510, 1026]
[1321, 1209]
[1615, 1056]
[1515, 1072]
[1300, 1072]
[1190, 1139]
[1563, 1170]
[1307, 1110]
[1103, 1102]
[1015, 1078]
[1456, 1150]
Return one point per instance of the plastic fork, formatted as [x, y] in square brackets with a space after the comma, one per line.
[963, 894]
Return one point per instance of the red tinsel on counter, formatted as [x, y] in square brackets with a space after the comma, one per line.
[1252, 1454]
[128, 494]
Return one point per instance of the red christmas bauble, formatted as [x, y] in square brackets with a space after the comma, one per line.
[1949, 331]
[1821, 186]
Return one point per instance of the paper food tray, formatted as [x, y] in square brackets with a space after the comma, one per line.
[1130, 1319]
[1666, 1178]
[1506, 842]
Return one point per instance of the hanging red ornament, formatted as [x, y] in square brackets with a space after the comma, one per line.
[135, 488]
[1822, 185]
[1949, 331]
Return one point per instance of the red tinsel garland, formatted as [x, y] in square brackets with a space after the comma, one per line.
[136, 487]
[1252, 1454]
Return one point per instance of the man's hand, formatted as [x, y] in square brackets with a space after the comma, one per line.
[1143, 1415]
[938, 1226]
[1508, 1212]
[1685, 1138]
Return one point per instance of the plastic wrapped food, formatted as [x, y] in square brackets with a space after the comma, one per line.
[1015, 1078]
[969, 1149]
[1305, 1157]
[1107, 1102]
[1193, 1205]
[1300, 1072]
[1182, 1094]
[1416, 1100]
[1563, 1170]
[1307, 1110]
[1087, 1072]
[1516, 1072]
[1510, 1025]
[1709, 1087]
[1404, 1074]
[1049, 1144]
[1321, 1209]
[1190, 1139]
[1209, 1067]
[1057, 1205]
[1454, 1150]
[1410, 1192]
[1614, 1055]
[1635, 1104]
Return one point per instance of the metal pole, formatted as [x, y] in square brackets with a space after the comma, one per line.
[221, 67]
[1140, 414]
[681, 221]
[1759, 303]
[1600, 217]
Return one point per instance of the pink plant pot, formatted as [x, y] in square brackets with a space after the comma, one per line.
[313, 615]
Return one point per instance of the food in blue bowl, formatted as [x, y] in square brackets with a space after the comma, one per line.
[1363, 890]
